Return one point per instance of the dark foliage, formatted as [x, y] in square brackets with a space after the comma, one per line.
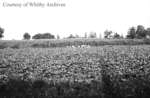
[26, 36]
[43, 36]
[139, 33]
[1, 32]
[43, 89]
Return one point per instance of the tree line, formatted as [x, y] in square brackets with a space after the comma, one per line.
[27, 36]
[138, 32]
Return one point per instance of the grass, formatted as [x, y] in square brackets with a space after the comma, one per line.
[69, 42]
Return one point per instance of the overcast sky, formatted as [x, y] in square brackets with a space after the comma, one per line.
[78, 17]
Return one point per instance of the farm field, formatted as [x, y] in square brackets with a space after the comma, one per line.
[94, 72]
[53, 43]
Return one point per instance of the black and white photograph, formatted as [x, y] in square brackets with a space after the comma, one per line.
[74, 49]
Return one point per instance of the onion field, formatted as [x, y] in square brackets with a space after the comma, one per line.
[75, 72]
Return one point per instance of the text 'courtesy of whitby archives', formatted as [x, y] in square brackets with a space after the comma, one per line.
[34, 4]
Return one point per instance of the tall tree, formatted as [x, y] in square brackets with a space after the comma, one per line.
[1, 32]
[26, 36]
[131, 33]
[140, 32]
[107, 34]
[116, 36]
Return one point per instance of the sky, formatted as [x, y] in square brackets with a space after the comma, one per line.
[77, 17]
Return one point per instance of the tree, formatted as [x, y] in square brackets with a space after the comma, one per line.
[116, 36]
[92, 35]
[140, 32]
[148, 32]
[26, 36]
[71, 36]
[47, 36]
[1, 32]
[37, 36]
[107, 34]
[131, 33]
[43, 36]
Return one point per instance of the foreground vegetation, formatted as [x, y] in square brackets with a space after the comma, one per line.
[95, 72]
